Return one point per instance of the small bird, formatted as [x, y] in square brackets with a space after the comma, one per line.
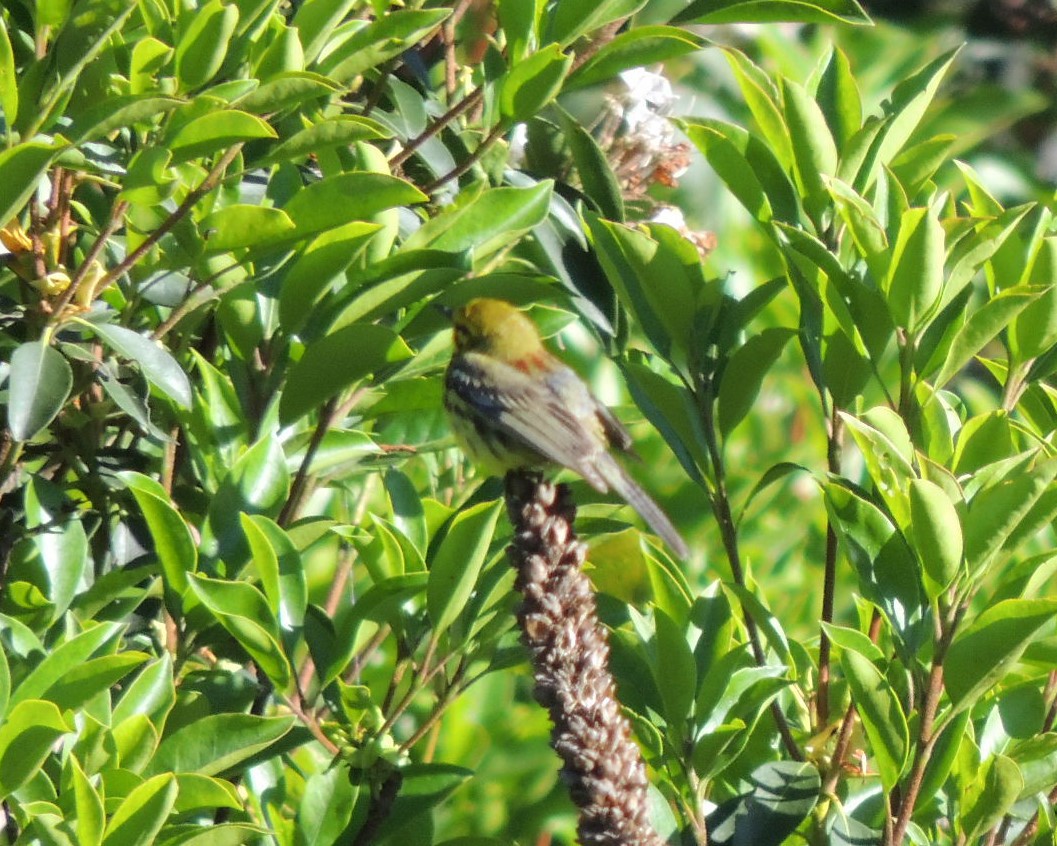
[515, 406]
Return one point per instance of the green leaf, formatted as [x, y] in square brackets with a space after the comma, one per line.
[61, 659]
[996, 511]
[675, 671]
[345, 197]
[379, 40]
[215, 131]
[60, 541]
[814, 150]
[341, 131]
[152, 693]
[596, 176]
[257, 483]
[743, 376]
[749, 168]
[243, 225]
[984, 651]
[781, 796]
[89, 815]
[27, 734]
[990, 797]
[153, 359]
[217, 743]
[142, 813]
[319, 265]
[280, 567]
[635, 48]
[492, 220]
[119, 112]
[532, 83]
[772, 11]
[983, 326]
[21, 169]
[454, 569]
[335, 362]
[244, 612]
[90, 678]
[8, 80]
[325, 810]
[39, 384]
[886, 461]
[423, 788]
[204, 44]
[173, 544]
[915, 276]
[936, 532]
[288, 89]
[881, 714]
[571, 19]
[838, 97]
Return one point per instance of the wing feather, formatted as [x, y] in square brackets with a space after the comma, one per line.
[532, 411]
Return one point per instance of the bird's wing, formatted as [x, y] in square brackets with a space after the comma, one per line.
[553, 415]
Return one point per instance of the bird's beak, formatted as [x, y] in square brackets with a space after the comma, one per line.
[446, 310]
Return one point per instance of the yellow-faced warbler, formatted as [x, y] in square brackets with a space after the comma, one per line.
[515, 406]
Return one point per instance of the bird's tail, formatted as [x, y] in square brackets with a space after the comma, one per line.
[637, 498]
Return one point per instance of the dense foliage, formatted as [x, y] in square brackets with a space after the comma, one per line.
[246, 579]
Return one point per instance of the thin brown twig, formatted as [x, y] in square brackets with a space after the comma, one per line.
[436, 126]
[117, 214]
[210, 182]
[470, 160]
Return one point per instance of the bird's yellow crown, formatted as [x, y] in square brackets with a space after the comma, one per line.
[496, 328]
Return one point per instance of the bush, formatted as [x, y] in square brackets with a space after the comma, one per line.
[251, 593]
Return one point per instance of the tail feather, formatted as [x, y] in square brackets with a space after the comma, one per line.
[637, 498]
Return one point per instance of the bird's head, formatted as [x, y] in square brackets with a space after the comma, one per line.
[496, 328]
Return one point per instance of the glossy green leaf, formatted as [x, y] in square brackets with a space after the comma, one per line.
[320, 265]
[327, 134]
[915, 276]
[215, 131]
[983, 326]
[345, 197]
[142, 813]
[637, 47]
[50, 671]
[336, 362]
[744, 374]
[596, 176]
[570, 20]
[995, 512]
[217, 743]
[285, 90]
[204, 44]
[39, 383]
[326, 808]
[21, 169]
[27, 734]
[983, 651]
[60, 542]
[154, 360]
[90, 678]
[814, 150]
[936, 533]
[119, 112]
[243, 225]
[423, 788]
[8, 80]
[454, 569]
[767, 11]
[881, 714]
[152, 693]
[173, 544]
[89, 815]
[532, 83]
[381, 39]
[280, 567]
[675, 671]
[991, 796]
[243, 611]
[783, 794]
[489, 221]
